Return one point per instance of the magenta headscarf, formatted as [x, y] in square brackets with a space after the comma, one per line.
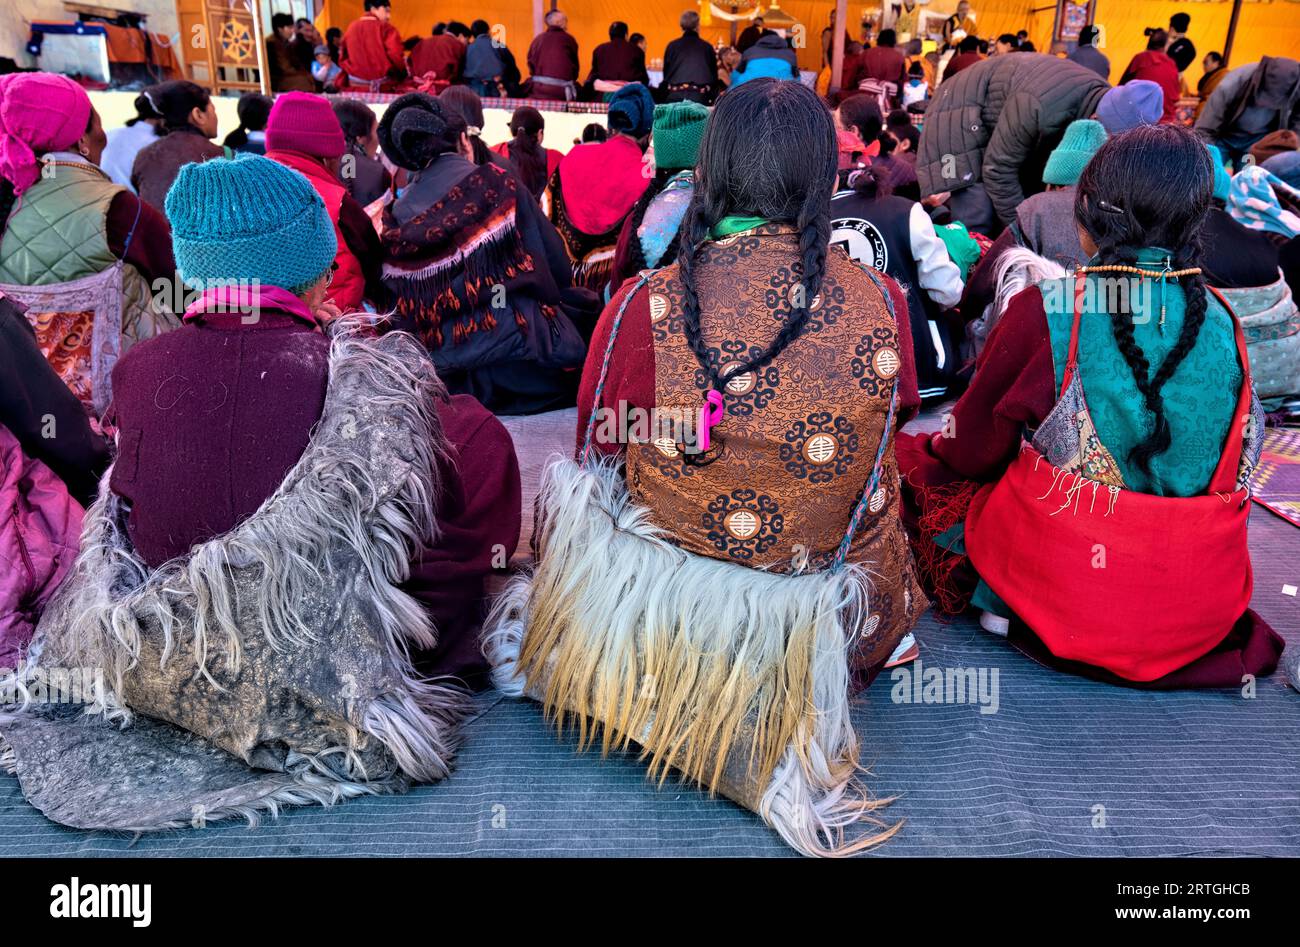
[39, 112]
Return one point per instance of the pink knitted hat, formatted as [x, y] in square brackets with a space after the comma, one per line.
[304, 122]
[39, 112]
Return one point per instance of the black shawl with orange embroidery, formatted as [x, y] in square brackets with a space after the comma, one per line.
[442, 264]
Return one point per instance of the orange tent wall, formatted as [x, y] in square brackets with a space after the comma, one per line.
[1266, 27]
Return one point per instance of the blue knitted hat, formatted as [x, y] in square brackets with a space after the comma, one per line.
[1135, 103]
[249, 219]
[632, 110]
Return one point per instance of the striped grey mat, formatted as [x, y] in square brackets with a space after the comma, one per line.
[1064, 767]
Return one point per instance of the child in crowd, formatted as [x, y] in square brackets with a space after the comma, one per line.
[325, 71]
[250, 137]
[915, 90]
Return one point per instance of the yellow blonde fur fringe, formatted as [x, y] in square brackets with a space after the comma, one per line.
[735, 677]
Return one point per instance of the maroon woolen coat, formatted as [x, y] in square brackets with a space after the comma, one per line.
[212, 416]
[554, 53]
[618, 61]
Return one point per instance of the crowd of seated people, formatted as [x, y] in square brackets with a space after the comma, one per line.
[277, 370]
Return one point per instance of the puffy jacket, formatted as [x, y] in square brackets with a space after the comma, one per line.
[990, 121]
[771, 46]
[40, 525]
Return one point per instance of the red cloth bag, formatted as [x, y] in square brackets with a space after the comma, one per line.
[1138, 584]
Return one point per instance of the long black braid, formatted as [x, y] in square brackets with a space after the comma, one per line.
[769, 151]
[1150, 187]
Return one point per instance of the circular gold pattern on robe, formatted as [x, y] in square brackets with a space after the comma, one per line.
[886, 362]
[666, 446]
[742, 384]
[877, 501]
[870, 627]
[659, 307]
[742, 524]
[820, 449]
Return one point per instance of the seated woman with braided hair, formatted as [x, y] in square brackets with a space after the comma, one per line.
[1090, 489]
[714, 585]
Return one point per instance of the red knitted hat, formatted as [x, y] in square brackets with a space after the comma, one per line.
[305, 123]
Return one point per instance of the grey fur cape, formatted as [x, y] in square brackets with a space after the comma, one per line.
[270, 666]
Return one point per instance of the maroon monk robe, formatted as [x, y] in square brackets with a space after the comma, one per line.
[553, 54]
[370, 49]
[884, 63]
[212, 416]
[443, 56]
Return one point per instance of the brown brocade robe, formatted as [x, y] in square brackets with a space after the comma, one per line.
[799, 437]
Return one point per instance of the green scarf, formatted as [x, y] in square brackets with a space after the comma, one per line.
[735, 224]
[1200, 399]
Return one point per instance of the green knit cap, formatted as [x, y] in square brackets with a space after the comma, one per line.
[249, 219]
[1081, 140]
[678, 129]
[962, 247]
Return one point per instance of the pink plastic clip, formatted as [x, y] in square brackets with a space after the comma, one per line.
[710, 416]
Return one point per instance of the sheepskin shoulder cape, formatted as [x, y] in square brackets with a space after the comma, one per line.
[270, 665]
[735, 677]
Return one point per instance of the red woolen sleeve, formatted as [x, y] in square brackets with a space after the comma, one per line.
[631, 375]
[479, 517]
[909, 396]
[1014, 387]
[393, 47]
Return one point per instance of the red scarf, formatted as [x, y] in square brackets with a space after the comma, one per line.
[602, 182]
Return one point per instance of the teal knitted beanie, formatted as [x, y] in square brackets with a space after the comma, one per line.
[678, 130]
[248, 219]
[1081, 140]
[962, 247]
[1222, 180]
